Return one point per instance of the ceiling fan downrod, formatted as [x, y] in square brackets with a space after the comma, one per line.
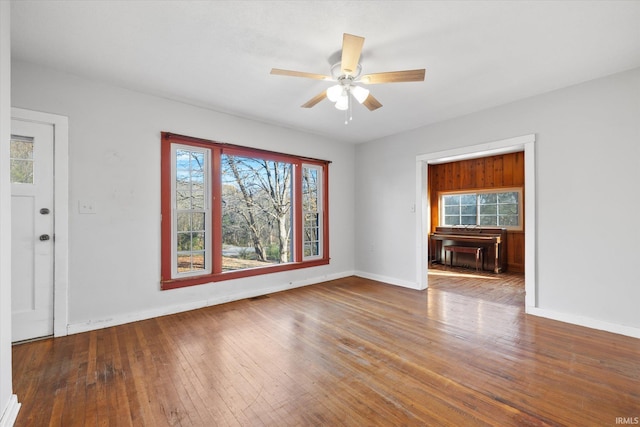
[349, 109]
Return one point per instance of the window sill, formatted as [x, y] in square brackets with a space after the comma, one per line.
[238, 274]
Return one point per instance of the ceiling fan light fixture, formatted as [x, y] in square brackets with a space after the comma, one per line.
[343, 102]
[334, 92]
[359, 93]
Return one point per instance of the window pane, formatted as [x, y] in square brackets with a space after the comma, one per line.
[468, 199]
[21, 159]
[486, 198]
[22, 171]
[311, 220]
[309, 189]
[183, 177]
[184, 263]
[183, 242]
[451, 200]
[508, 209]
[488, 220]
[511, 197]
[468, 220]
[197, 198]
[197, 179]
[257, 213]
[183, 158]
[311, 249]
[21, 147]
[197, 222]
[184, 222]
[452, 220]
[197, 162]
[452, 210]
[190, 262]
[488, 209]
[198, 261]
[468, 210]
[197, 241]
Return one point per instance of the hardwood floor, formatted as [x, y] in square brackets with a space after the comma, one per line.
[347, 352]
[505, 288]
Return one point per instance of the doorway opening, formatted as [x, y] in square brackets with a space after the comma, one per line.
[423, 207]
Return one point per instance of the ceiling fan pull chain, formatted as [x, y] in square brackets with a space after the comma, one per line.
[349, 110]
[346, 112]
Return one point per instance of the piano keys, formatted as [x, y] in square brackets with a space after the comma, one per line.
[493, 240]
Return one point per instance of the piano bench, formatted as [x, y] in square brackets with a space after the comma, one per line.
[467, 250]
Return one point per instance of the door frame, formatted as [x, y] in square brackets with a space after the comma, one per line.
[524, 143]
[60, 126]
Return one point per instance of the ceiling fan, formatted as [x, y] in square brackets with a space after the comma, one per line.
[347, 73]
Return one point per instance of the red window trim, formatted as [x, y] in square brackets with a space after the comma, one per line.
[167, 282]
[190, 140]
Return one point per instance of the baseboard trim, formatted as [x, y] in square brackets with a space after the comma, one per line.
[76, 328]
[389, 280]
[585, 321]
[167, 310]
[10, 413]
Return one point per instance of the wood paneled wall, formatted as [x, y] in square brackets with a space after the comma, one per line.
[505, 170]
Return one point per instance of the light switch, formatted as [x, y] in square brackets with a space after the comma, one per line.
[86, 207]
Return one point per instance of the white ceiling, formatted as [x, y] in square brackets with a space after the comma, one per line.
[218, 54]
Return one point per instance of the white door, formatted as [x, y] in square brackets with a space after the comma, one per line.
[31, 229]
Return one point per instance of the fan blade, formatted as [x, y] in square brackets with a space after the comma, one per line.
[351, 50]
[394, 77]
[371, 103]
[279, 72]
[313, 101]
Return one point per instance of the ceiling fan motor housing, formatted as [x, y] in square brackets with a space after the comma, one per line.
[336, 72]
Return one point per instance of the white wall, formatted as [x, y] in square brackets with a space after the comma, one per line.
[587, 171]
[114, 157]
[8, 402]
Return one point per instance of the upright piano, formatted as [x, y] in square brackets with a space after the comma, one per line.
[492, 239]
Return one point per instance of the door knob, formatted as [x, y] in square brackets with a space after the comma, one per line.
[44, 237]
[44, 211]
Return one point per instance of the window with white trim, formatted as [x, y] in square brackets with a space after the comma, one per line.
[191, 201]
[485, 208]
[312, 211]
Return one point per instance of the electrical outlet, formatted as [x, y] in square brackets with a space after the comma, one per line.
[86, 207]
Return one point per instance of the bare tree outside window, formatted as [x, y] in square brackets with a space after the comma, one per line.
[256, 212]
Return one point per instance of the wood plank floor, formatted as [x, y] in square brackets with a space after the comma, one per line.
[348, 352]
